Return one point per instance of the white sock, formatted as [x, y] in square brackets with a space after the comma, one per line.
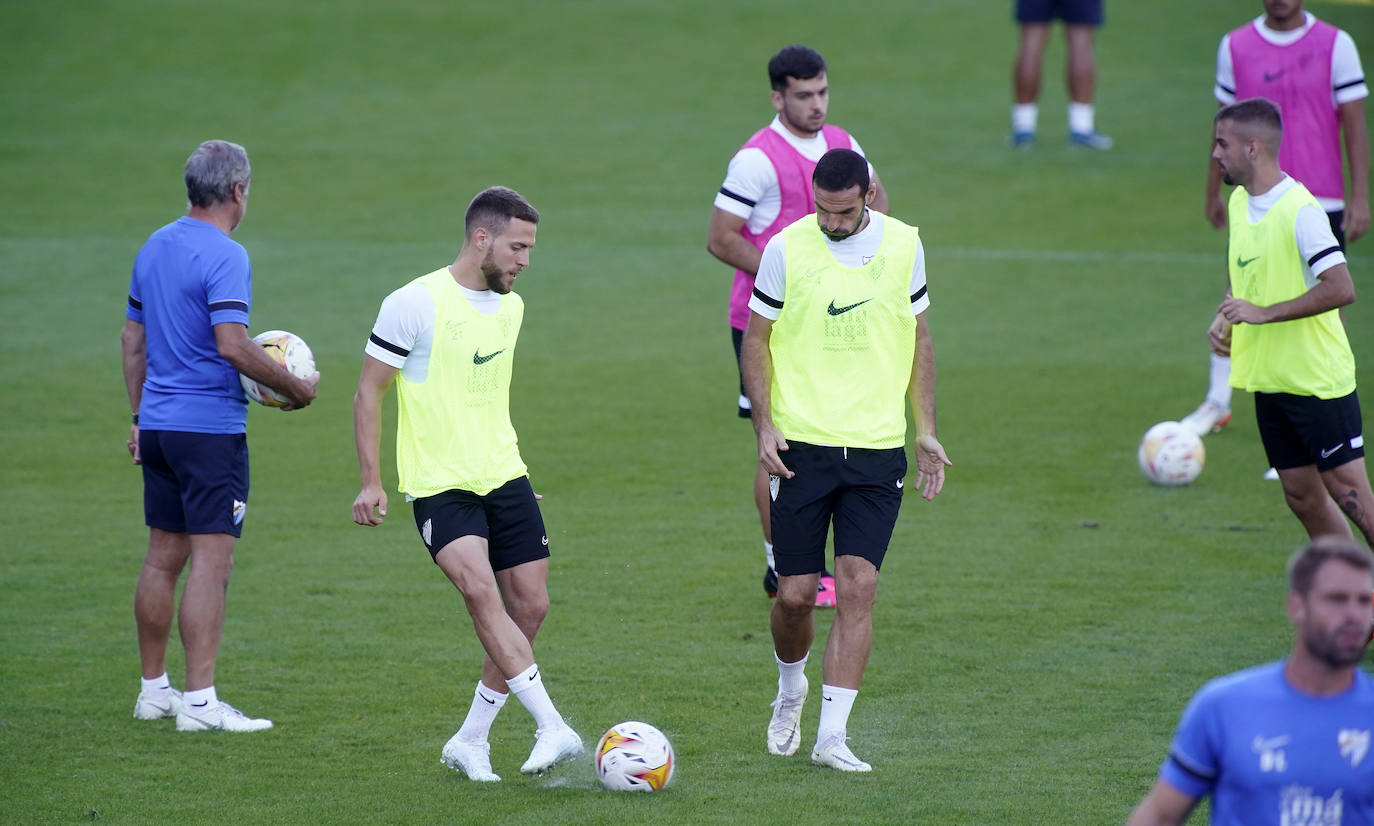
[1024, 116]
[791, 676]
[1218, 386]
[768, 554]
[1081, 118]
[836, 703]
[528, 688]
[157, 688]
[201, 698]
[485, 704]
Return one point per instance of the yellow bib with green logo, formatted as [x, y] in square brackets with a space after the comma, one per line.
[844, 342]
[1305, 356]
[454, 429]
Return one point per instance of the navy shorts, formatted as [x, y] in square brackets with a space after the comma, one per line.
[508, 518]
[1298, 431]
[737, 338]
[1073, 12]
[858, 491]
[194, 482]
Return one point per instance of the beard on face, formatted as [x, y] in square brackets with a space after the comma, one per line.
[1328, 649]
[493, 274]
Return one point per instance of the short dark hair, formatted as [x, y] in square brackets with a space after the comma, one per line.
[1307, 560]
[213, 170]
[801, 62]
[494, 207]
[1255, 118]
[839, 170]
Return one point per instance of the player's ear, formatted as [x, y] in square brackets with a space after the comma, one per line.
[870, 194]
[1295, 608]
[776, 97]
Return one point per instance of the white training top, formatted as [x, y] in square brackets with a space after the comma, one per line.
[406, 321]
[853, 252]
[751, 177]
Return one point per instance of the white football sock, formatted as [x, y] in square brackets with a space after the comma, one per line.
[157, 688]
[836, 703]
[485, 705]
[201, 698]
[1218, 386]
[528, 688]
[791, 676]
[768, 554]
[1081, 118]
[1024, 117]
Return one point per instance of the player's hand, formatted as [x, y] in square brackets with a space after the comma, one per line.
[1356, 221]
[370, 507]
[132, 444]
[771, 443]
[311, 382]
[1216, 211]
[1240, 311]
[930, 466]
[1219, 336]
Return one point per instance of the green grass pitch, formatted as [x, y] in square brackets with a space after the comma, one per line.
[1039, 626]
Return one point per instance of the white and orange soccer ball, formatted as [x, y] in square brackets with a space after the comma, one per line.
[1171, 454]
[634, 757]
[292, 353]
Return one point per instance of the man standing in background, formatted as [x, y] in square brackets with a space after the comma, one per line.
[1312, 71]
[767, 187]
[1081, 21]
[185, 342]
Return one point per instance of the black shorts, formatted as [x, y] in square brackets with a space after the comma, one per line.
[1337, 218]
[508, 518]
[194, 482]
[1073, 12]
[857, 490]
[737, 338]
[1304, 430]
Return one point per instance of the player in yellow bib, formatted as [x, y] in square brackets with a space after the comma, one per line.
[1281, 327]
[836, 342]
[447, 340]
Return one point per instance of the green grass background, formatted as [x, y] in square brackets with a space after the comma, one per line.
[1039, 626]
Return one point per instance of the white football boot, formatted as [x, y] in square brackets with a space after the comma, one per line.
[558, 743]
[784, 730]
[472, 759]
[217, 717]
[833, 753]
[147, 707]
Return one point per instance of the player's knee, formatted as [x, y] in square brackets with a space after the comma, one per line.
[529, 613]
[796, 603]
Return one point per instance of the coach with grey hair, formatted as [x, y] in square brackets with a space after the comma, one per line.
[185, 342]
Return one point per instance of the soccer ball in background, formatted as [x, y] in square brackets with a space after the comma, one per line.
[291, 352]
[1171, 454]
[634, 757]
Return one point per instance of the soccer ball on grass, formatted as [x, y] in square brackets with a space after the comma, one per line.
[1171, 454]
[634, 757]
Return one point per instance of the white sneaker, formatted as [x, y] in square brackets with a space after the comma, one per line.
[218, 717]
[150, 708]
[472, 759]
[833, 753]
[560, 743]
[1208, 418]
[784, 730]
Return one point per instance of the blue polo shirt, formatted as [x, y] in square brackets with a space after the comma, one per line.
[188, 277]
[1270, 755]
